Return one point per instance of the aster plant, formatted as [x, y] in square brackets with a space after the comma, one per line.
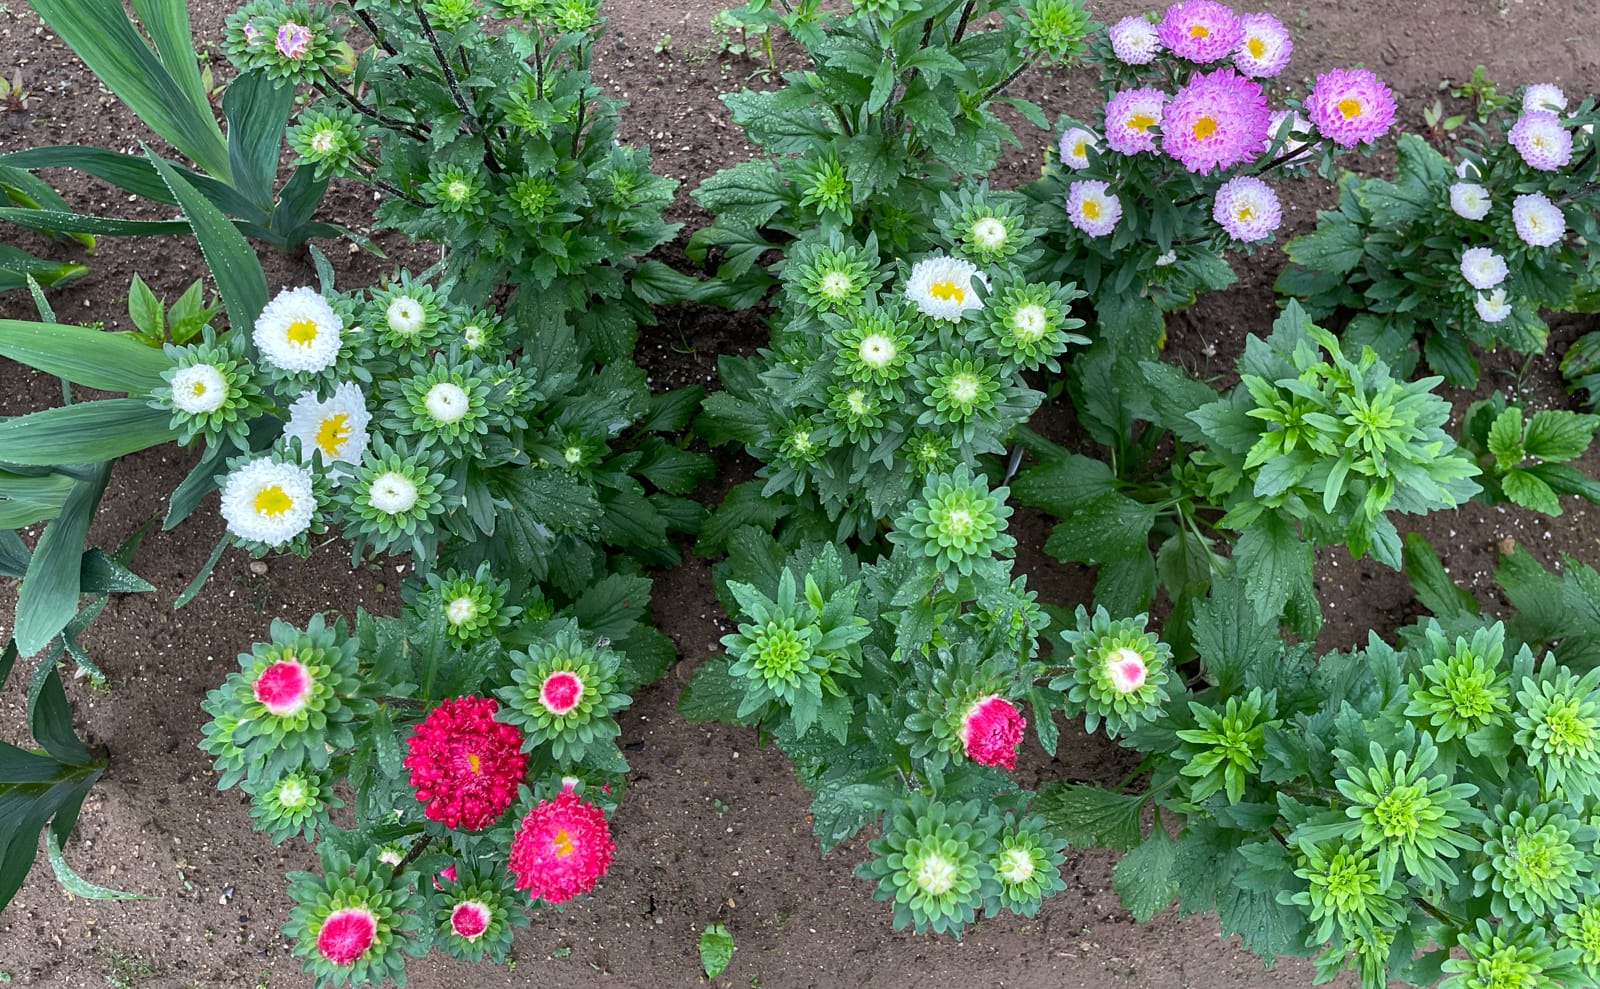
[468, 812]
[1466, 251]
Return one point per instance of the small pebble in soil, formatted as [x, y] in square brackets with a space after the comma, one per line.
[258, 567]
[1507, 545]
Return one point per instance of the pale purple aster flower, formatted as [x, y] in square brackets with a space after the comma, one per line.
[1539, 222]
[1134, 41]
[1469, 200]
[1247, 208]
[1482, 268]
[1130, 117]
[1541, 140]
[252, 34]
[1350, 106]
[294, 40]
[1199, 30]
[1218, 119]
[1296, 138]
[1092, 208]
[1494, 307]
[1543, 96]
[1265, 47]
[1075, 146]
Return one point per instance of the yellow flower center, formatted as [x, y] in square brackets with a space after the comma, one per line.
[1090, 209]
[562, 843]
[1243, 213]
[273, 500]
[474, 763]
[1204, 128]
[1350, 108]
[1199, 31]
[947, 291]
[302, 331]
[332, 433]
[1141, 122]
[1081, 148]
[197, 389]
[1256, 47]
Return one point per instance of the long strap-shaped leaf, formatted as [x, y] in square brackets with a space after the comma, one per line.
[158, 88]
[133, 173]
[49, 594]
[233, 263]
[84, 355]
[85, 433]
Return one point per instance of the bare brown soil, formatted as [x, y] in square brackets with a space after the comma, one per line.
[713, 827]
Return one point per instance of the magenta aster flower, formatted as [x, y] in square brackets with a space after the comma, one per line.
[561, 692]
[1264, 48]
[1349, 106]
[464, 764]
[1539, 222]
[1075, 146]
[347, 934]
[1199, 30]
[1541, 140]
[1247, 208]
[1131, 116]
[992, 731]
[562, 847]
[1091, 208]
[470, 918]
[284, 687]
[1134, 41]
[294, 40]
[448, 874]
[1217, 120]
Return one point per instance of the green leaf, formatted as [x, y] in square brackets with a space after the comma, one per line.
[743, 506]
[76, 884]
[840, 811]
[1143, 878]
[1089, 816]
[748, 194]
[56, 221]
[1558, 436]
[1109, 527]
[49, 594]
[84, 433]
[1232, 636]
[50, 719]
[1334, 247]
[232, 262]
[84, 355]
[1273, 562]
[257, 110]
[146, 311]
[1528, 491]
[1173, 395]
[1434, 588]
[1505, 438]
[543, 502]
[712, 694]
[716, 949]
[1059, 486]
[17, 266]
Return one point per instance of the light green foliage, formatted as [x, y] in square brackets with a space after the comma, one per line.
[716, 949]
[1527, 463]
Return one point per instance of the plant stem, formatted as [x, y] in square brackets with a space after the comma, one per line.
[377, 33]
[961, 25]
[333, 89]
[1000, 87]
[444, 66]
[413, 853]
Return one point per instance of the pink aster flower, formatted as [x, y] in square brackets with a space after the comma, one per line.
[294, 40]
[1217, 120]
[1126, 670]
[1247, 208]
[561, 692]
[284, 687]
[1131, 116]
[1349, 106]
[562, 847]
[347, 934]
[992, 731]
[1076, 144]
[1199, 30]
[1539, 222]
[448, 874]
[1092, 208]
[470, 918]
[464, 764]
[1134, 41]
[1265, 47]
[1541, 140]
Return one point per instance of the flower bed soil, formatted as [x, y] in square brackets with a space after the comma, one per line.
[713, 827]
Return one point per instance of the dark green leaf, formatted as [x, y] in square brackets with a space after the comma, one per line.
[84, 433]
[85, 356]
[1089, 816]
[1143, 878]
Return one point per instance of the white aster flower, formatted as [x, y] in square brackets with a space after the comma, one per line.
[406, 316]
[1169, 258]
[1544, 96]
[1493, 307]
[336, 428]
[1075, 146]
[1482, 268]
[392, 493]
[989, 233]
[1469, 200]
[1468, 170]
[447, 402]
[199, 389]
[299, 331]
[942, 287]
[1539, 222]
[269, 502]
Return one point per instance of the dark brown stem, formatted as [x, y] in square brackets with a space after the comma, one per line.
[412, 855]
[961, 25]
[333, 89]
[444, 66]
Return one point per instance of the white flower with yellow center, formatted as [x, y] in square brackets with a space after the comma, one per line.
[199, 389]
[392, 493]
[1493, 307]
[1030, 322]
[299, 331]
[942, 287]
[473, 338]
[1015, 866]
[268, 502]
[335, 428]
[1469, 200]
[447, 402]
[406, 316]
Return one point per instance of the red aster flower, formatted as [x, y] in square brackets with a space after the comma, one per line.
[469, 919]
[464, 764]
[347, 934]
[561, 692]
[561, 848]
[284, 687]
[992, 731]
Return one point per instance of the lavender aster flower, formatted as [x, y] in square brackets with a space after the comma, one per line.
[1350, 106]
[1130, 117]
[1541, 140]
[1469, 200]
[294, 40]
[1199, 30]
[1075, 146]
[1266, 46]
[1092, 208]
[1247, 208]
[1482, 268]
[1218, 119]
[1543, 96]
[1134, 41]
[1539, 222]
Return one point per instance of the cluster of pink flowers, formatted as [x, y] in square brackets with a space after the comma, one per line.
[562, 848]
[465, 765]
[991, 732]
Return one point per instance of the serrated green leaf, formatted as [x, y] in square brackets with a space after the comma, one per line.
[712, 694]
[1530, 492]
[1273, 562]
[1505, 438]
[1089, 816]
[1143, 877]
[1558, 435]
[1434, 588]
